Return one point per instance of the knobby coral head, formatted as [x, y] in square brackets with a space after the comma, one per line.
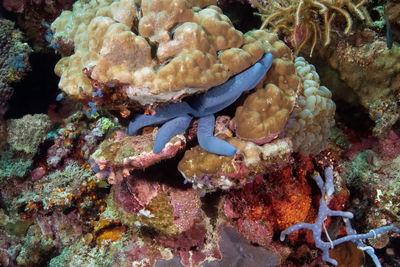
[177, 116]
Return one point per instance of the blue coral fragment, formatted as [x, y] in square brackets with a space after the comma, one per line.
[327, 189]
[177, 116]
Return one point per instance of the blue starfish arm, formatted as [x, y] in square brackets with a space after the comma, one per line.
[259, 70]
[169, 129]
[209, 142]
[225, 94]
[162, 115]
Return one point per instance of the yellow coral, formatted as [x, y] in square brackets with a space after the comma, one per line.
[294, 16]
[263, 114]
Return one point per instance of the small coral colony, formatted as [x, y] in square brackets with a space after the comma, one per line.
[199, 133]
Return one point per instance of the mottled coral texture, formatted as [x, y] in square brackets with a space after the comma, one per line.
[142, 202]
[195, 47]
[27, 133]
[367, 68]
[14, 60]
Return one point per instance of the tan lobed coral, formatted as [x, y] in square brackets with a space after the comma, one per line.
[267, 110]
[264, 113]
[147, 53]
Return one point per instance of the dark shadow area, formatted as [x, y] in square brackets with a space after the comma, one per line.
[242, 16]
[37, 90]
[6, 14]
[353, 116]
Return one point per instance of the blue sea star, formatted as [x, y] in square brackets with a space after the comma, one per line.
[177, 116]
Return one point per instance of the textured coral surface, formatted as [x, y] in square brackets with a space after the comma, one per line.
[305, 174]
[195, 47]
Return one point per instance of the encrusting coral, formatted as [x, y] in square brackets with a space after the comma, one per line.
[14, 60]
[27, 133]
[78, 190]
[370, 70]
[299, 19]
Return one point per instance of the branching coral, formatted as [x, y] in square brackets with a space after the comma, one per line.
[300, 18]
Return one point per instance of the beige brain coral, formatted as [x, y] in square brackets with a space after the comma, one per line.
[158, 51]
[264, 113]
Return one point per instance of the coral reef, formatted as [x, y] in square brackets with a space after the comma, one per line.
[204, 51]
[231, 130]
[14, 60]
[371, 71]
[27, 133]
[178, 115]
[301, 20]
[259, 209]
[34, 18]
[327, 189]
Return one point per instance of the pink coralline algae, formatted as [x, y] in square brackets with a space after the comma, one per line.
[191, 245]
[167, 209]
[65, 228]
[389, 147]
